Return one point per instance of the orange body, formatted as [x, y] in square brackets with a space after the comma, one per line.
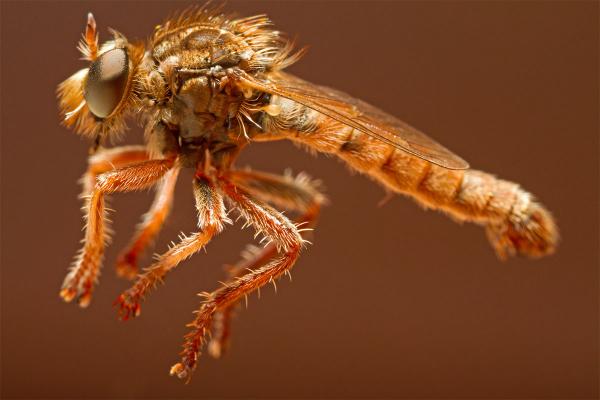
[515, 221]
[204, 87]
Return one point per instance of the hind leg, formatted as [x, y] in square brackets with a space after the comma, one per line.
[299, 195]
[288, 242]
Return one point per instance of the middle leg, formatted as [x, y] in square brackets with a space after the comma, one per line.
[211, 219]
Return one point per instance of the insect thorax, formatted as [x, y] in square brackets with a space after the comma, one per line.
[201, 46]
[192, 60]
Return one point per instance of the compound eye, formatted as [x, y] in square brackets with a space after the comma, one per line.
[106, 82]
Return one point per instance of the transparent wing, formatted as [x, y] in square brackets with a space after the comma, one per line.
[355, 113]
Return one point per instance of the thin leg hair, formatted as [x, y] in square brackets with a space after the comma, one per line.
[211, 219]
[280, 231]
[300, 195]
[147, 231]
[134, 175]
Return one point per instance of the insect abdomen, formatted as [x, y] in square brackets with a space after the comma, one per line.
[515, 222]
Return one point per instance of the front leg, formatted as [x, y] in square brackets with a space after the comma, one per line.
[110, 159]
[105, 160]
[80, 280]
[127, 263]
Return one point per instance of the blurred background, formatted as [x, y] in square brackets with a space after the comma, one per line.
[390, 301]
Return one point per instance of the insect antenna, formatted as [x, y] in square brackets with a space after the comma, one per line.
[88, 45]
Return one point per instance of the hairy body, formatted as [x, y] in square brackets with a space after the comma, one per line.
[204, 87]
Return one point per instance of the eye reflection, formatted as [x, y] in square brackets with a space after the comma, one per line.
[106, 82]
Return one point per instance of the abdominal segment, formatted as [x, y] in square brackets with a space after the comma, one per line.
[515, 222]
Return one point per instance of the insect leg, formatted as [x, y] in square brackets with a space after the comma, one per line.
[277, 229]
[127, 263]
[101, 162]
[298, 194]
[211, 218]
[80, 280]
[109, 159]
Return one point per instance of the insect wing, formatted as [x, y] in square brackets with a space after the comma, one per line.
[355, 113]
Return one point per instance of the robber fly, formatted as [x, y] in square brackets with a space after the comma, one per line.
[206, 85]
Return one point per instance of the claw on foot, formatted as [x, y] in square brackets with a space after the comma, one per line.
[129, 306]
[181, 371]
[68, 294]
[127, 266]
[84, 300]
[215, 349]
[83, 295]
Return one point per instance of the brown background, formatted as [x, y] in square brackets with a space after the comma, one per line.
[390, 301]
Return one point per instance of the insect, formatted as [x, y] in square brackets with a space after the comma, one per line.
[203, 87]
